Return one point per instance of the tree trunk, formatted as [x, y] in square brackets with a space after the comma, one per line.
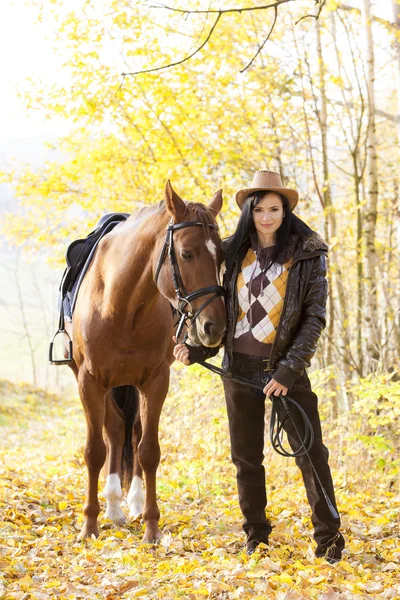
[396, 43]
[334, 270]
[396, 208]
[372, 317]
[360, 267]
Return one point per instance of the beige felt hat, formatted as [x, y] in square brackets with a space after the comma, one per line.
[270, 182]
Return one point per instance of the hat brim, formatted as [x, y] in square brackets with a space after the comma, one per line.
[291, 195]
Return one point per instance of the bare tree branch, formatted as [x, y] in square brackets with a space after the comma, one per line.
[264, 42]
[321, 5]
[179, 62]
[219, 13]
[226, 10]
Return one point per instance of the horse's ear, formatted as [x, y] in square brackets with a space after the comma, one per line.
[216, 203]
[175, 205]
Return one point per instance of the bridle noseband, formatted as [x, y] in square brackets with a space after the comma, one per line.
[185, 299]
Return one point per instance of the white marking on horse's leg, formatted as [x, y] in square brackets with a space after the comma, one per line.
[136, 497]
[212, 248]
[113, 494]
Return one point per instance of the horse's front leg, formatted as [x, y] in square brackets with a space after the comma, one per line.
[93, 400]
[152, 398]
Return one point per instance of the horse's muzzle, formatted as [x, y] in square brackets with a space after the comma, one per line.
[207, 334]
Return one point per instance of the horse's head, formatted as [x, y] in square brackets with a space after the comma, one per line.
[197, 251]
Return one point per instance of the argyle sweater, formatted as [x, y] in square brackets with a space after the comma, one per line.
[261, 291]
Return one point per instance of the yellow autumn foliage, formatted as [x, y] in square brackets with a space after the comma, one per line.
[201, 554]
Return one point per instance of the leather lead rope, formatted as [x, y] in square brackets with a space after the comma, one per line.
[277, 426]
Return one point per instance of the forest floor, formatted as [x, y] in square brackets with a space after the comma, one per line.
[201, 554]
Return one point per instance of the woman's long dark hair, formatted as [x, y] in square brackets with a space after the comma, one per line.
[239, 243]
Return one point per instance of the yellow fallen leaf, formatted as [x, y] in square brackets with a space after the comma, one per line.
[256, 574]
[315, 580]
[346, 566]
[283, 578]
[128, 585]
[25, 581]
[62, 505]
[139, 592]
[119, 535]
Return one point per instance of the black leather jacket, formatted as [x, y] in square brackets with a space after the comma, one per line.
[303, 312]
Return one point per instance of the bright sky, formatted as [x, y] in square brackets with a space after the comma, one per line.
[26, 53]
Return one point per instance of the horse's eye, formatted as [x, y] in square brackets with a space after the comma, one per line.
[186, 255]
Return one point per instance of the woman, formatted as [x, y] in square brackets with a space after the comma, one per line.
[276, 292]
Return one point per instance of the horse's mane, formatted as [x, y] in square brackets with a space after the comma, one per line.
[202, 213]
[150, 209]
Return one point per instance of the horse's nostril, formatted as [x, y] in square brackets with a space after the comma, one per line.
[208, 325]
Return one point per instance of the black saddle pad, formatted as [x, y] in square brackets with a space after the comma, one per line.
[79, 256]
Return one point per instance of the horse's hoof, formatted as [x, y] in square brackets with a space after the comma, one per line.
[152, 538]
[88, 532]
[115, 514]
[134, 514]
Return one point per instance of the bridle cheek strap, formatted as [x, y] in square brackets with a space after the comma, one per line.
[185, 299]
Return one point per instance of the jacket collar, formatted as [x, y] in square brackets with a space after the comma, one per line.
[314, 242]
[309, 241]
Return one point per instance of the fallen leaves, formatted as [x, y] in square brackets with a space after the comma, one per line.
[201, 554]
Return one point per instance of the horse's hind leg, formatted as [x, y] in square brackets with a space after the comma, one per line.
[136, 495]
[151, 401]
[93, 400]
[115, 430]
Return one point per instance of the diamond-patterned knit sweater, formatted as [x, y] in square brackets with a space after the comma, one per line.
[261, 291]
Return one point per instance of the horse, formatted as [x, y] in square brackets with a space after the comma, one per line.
[122, 332]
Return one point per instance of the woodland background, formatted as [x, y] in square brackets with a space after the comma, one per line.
[316, 99]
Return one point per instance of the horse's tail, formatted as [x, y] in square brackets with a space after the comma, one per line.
[126, 397]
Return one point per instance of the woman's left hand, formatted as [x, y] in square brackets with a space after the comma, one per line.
[276, 388]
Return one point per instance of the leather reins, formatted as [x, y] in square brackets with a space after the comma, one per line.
[276, 428]
[185, 299]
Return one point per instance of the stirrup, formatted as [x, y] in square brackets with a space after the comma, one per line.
[64, 361]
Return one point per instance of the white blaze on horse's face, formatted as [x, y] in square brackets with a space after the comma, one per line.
[212, 248]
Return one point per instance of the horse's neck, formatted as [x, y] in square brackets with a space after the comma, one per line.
[128, 268]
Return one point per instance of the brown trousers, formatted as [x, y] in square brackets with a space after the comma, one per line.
[246, 411]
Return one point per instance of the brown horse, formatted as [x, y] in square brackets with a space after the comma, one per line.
[122, 331]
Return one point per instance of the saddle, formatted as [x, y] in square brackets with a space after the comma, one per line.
[78, 257]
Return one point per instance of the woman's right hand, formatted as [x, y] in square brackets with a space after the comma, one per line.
[181, 352]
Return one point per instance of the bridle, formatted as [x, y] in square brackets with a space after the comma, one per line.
[185, 310]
